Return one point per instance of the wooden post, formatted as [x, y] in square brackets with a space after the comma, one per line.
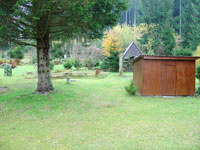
[120, 64]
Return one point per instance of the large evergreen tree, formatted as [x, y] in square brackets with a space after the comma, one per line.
[43, 20]
[159, 14]
[182, 16]
[191, 24]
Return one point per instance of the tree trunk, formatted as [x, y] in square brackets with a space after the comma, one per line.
[44, 75]
[135, 13]
[180, 15]
[120, 64]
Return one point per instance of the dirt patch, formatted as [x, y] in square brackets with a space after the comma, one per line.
[104, 105]
[3, 89]
[33, 77]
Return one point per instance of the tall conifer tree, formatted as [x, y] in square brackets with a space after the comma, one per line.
[43, 20]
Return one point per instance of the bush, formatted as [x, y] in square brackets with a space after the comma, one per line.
[52, 65]
[111, 63]
[198, 91]
[77, 64]
[17, 53]
[90, 63]
[68, 64]
[198, 72]
[183, 52]
[131, 89]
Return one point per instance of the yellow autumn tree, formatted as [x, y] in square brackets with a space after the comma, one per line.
[197, 53]
[131, 34]
[120, 37]
[111, 42]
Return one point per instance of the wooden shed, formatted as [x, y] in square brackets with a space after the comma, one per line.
[164, 75]
[129, 54]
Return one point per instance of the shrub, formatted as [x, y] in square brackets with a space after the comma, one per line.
[198, 91]
[77, 64]
[198, 72]
[183, 52]
[16, 53]
[52, 65]
[111, 63]
[68, 64]
[90, 63]
[131, 89]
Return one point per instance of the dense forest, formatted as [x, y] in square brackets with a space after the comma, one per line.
[174, 21]
[165, 26]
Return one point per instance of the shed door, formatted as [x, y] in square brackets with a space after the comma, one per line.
[168, 79]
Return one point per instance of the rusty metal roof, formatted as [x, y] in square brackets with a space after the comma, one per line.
[151, 57]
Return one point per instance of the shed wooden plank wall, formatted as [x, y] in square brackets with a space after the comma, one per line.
[185, 78]
[151, 78]
[138, 74]
[168, 78]
[163, 76]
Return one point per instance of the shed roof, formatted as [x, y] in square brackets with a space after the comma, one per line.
[132, 51]
[145, 57]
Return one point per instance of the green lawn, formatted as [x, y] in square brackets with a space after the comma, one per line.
[93, 114]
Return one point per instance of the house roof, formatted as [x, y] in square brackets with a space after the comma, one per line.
[132, 51]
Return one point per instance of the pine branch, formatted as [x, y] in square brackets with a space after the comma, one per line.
[23, 43]
[12, 20]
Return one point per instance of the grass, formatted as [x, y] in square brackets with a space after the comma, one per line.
[93, 114]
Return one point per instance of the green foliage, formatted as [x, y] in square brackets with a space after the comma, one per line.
[158, 40]
[111, 62]
[69, 63]
[131, 89]
[56, 51]
[190, 24]
[198, 91]
[158, 13]
[197, 53]
[43, 21]
[90, 62]
[198, 72]
[34, 60]
[77, 64]
[52, 65]
[91, 18]
[17, 53]
[183, 52]
[168, 41]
